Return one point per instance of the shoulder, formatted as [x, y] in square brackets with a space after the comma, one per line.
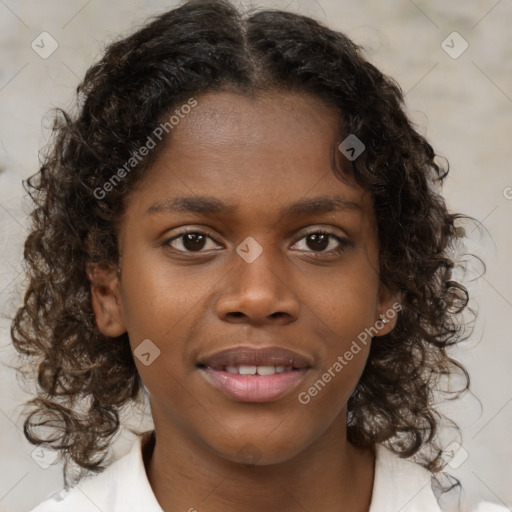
[123, 486]
[400, 484]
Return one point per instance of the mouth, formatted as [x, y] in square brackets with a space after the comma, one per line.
[254, 375]
[246, 369]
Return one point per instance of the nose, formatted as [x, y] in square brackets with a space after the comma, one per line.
[258, 292]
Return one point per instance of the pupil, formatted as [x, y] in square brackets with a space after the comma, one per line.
[193, 241]
[324, 240]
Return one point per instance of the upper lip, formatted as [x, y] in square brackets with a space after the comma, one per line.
[266, 356]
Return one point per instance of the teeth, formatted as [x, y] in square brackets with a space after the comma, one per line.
[246, 370]
[266, 370]
[253, 370]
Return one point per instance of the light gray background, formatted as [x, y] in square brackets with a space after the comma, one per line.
[463, 105]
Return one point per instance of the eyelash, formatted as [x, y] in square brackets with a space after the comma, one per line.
[344, 243]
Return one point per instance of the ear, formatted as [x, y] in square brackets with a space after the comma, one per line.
[106, 300]
[389, 306]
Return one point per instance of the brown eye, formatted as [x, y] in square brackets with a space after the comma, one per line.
[193, 241]
[189, 241]
[319, 241]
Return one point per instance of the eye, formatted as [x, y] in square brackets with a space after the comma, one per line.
[191, 241]
[317, 241]
[320, 240]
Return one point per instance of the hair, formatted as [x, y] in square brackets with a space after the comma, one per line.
[84, 379]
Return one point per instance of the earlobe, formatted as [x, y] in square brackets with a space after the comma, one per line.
[389, 308]
[106, 301]
[384, 325]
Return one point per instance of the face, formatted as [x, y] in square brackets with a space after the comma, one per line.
[271, 251]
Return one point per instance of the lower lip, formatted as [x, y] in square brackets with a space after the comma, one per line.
[255, 388]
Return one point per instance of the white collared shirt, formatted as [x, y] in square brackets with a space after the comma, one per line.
[399, 486]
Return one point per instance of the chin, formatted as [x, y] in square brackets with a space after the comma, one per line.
[259, 451]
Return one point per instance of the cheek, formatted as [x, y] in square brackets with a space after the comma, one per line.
[344, 357]
[159, 306]
[344, 311]
[155, 296]
[345, 303]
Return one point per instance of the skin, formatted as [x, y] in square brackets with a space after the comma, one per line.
[261, 154]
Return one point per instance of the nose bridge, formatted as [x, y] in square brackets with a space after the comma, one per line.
[258, 286]
[258, 262]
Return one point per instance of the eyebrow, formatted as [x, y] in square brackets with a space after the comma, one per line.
[214, 206]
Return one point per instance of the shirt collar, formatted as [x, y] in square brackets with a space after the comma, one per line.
[401, 485]
[138, 494]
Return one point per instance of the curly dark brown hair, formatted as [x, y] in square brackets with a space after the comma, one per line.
[85, 379]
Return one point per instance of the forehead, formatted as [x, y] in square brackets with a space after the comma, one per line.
[271, 119]
[265, 150]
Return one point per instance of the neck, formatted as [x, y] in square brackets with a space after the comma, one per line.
[330, 475]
